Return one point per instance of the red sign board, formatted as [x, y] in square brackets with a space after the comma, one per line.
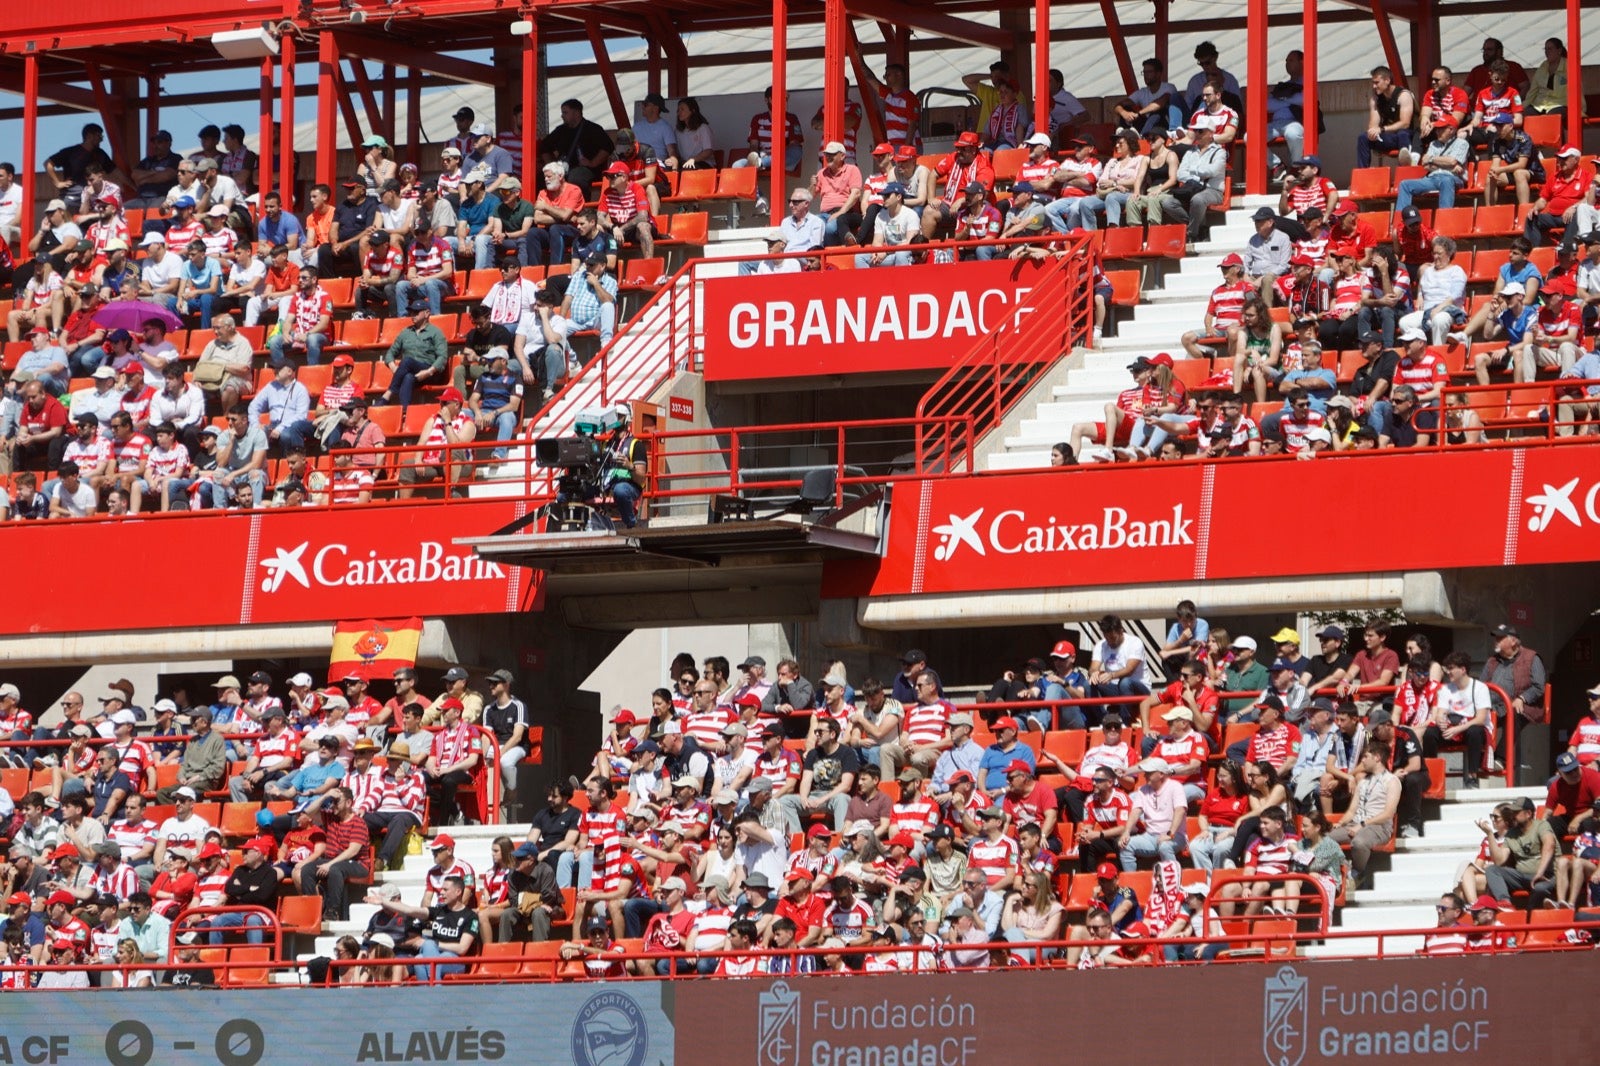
[1183, 522]
[857, 321]
[680, 408]
[270, 566]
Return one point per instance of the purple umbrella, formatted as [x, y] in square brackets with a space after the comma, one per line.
[131, 315]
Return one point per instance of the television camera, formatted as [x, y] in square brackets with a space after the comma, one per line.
[582, 462]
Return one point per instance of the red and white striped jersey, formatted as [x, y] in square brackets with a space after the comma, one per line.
[1224, 117]
[132, 758]
[872, 188]
[165, 463]
[366, 789]
[786, 767]
[995, 858]
[1191, 747]
[132, 837]
[852, 110]
[431, 258]
[1316, 194]
[902, 116]
[511, 141]
[350, 483]
[696, 815]
[408, 795]
[335, 396]
[1450, 940]
[495, 887]
[102, 233]
[954, 809]
[384, 261]
[707, 728]
[1226, 305]
[1586, 740]
[454, 745]
[1554, 323]
[604, 831]
[121, 882]
[179, 237]
[761, 131]
[361, 712]
[1039, 175]
[848, 923]
[915, 817]
[1276, 747]
[129, 454]
[436, 875]
[307, 311]
[626, 204]
[925, 723]
[1111, 813]
[1347, 295]
[212, 887]
[219, 242]
[1270, 858]
[1412, 708]
[270, 749]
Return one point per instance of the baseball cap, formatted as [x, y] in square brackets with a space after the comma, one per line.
[185, 792]
[1413, 334]
[1021, 187]
[967, 139]
[1248, 643]
[1485, 902]
[975, 187]
[1232, 259]
[442, 841]
[124, 717]
[1018, 766]
[1040, 139]
[685, 781]
[1411, 216]
[1107, 871]
[226, 681]
[1155, 765]
[960, 718]
[1263, 214]
[1178, 712]
[905, 154]
[1064, 649]
[857, 827]
[1594, 691]
[883, 148]
[451, 394]
[1301, 259]
[1323, 703]
[1005, 722]
[898, 189]
[1570, 151]
[165, 706]
[1282, 664]
[1504, 630]
[218, 211]
[455, 673]
[833, 148]
[261, 677]
[1286, 636]
[1566, 763]
[619, 167]
[1345, 207]
[991, 812]
[212, 850]
[960, 776]
[338, 360]
[752, 660]
[61, 205]
[1330, 633]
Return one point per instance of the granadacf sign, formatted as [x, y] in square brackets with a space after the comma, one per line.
[1459, 1011]
[858, 321]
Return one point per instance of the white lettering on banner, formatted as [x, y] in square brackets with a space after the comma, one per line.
[333, 566]
[1008, 533]
[870, 319]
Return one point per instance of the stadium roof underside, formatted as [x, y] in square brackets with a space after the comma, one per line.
[111, 61]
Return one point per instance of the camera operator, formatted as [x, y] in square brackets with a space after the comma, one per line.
[620, 469]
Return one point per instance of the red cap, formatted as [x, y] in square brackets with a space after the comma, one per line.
[450, 703]
[1570, 151]
[905, 840]
[19, 899]
[355, 184]
[1342, 249]
[62, 943]
[1445, 119]
[818, 830]
[884, 148]
[63, 851]
[60, 895]
[619, 167]
[1346, 207]
[1064, 649]
[452, 395]
[1485, 902]
[1232, 259]
[343, 360]
[264, 844]
[968, 140]
[960, 776]
[623, 717]
[749, 699]
[1301, 259]
[1005, 722]
[904, 154]
[1018, 766]
[1106, 871]
[1562, 285]
[211, 851]
[1162, 359]
[443, 840]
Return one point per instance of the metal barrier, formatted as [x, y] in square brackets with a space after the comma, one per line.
[986, 384]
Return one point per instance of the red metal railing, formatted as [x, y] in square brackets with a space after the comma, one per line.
[989, 381]
[693, 464]
[540, 964]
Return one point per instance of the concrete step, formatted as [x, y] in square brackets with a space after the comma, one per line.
[1386, 916]
[1364, 947]
[1390, 887]
[1022, 458]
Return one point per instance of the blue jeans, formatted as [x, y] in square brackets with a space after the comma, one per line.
[626, 494]
[1389, 142]
[836, 226]
[1150, 844]
[178, 493]
[205, 299]
[86, 359]
[485, 252]
[431, 950]
[295, 435]
[986, 252]
[565, 860]
[505, 427]
[1116, 202]
[1440, 182]
[232, 921]
[314, 343]
[221, 494]
[1124, 686]
[550, 244]
[435, 289]
[404, 382]
[636, 913]
[895, 259]
[1065, 214]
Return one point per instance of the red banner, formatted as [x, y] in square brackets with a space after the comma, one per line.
[857, 321]
[1181, 522]
[270, 566]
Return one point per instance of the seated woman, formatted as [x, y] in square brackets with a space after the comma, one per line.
[1032, 914]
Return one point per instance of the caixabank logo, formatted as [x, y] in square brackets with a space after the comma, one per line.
[1015, 532]
[338, 565]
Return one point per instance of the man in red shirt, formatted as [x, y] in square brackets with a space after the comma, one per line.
[1558, 200]
[1557, 333]
[1443, 99]
[625, 209]
[964, 165]
[1028, 801]
[558, 201]
[41, 432]
[1572, 792]
[1348, 229]
[1495, 52]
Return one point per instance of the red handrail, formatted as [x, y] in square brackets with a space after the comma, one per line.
[992, 378]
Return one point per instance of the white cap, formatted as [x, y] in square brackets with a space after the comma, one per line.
[104, 372]
[1244, 642]
[1320, 433]
[1513, 288]
[124, 717]
[671, 729]
[300, 680]
[1041, 139]
[1155, 765]
[833, 148]
[153, 239]
[8, 689]
[1413, 334]
[218, 211]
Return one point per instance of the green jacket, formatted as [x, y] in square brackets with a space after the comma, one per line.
[425, 345]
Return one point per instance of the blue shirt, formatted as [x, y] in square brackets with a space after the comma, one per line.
[279, 232]
[585, 305]
[1520, 274]
[1517, 325]
[1202, 631]
[1319, 385]
[476, 215]
[312, 776]
[282, 406]
[202, 278]
[497, 390]
[993, 765]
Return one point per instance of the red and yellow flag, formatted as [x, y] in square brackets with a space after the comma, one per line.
[374, 649]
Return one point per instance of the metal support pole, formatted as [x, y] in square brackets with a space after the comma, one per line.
[1255, 149]
[414, 115]
[30, 140]
[1119, 45]
[833, 91]
[1041, 65]
[531, 124]
[286, 89]
[327, 106]
[778, 175]
[1574, 73]
[264, 180]
[1160, 29]
[1309, 47]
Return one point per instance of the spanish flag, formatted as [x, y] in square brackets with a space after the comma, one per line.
[374, 649]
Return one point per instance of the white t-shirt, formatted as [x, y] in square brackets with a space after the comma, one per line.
[895, 229]
[692, 142]
[78, 504]
[187, 833]
[10, 206]
[1460, 705]
[1437, 287]
[156, 274]
[1114, 659]
[253, 275]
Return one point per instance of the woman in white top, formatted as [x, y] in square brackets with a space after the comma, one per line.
[1441, 294]
[1547, 89]
[694, 136]
[128, 955]
[720, 861]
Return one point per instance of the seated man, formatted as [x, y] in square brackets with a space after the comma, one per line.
[1223, 311]
[558, 202]
[624, 210]
[894, 227]
[1446, 164]
[451, 426]
[305, 320]
[382, 268]
[497, 398]
[760, 140]
[243, 462]
[430, 268]
[1505, 316]
[1026, 217]
[591, 299]
[287, 405]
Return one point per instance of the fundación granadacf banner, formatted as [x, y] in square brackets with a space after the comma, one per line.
[858, 321]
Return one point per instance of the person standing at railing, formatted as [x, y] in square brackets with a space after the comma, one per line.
[1519, 672]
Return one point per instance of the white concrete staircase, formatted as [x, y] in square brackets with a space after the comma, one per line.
[1419, 872]
[1164, 315]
